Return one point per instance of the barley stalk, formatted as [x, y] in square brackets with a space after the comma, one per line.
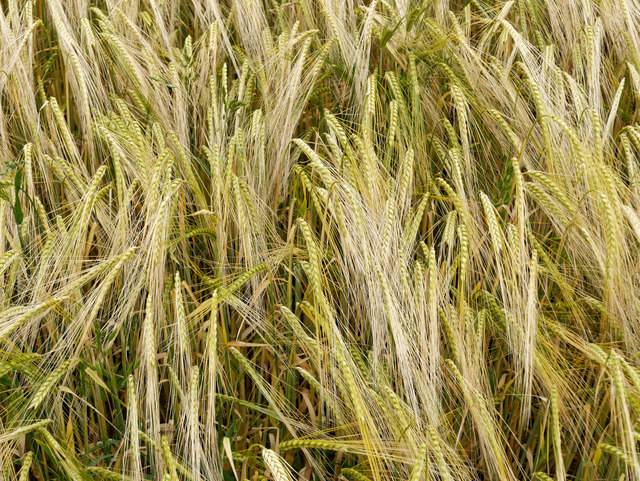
[275, 465]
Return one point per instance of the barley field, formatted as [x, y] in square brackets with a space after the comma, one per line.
[320, 240]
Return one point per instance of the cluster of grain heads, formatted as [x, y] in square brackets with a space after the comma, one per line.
[366, 240]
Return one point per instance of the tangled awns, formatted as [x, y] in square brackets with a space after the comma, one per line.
[320, 240]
